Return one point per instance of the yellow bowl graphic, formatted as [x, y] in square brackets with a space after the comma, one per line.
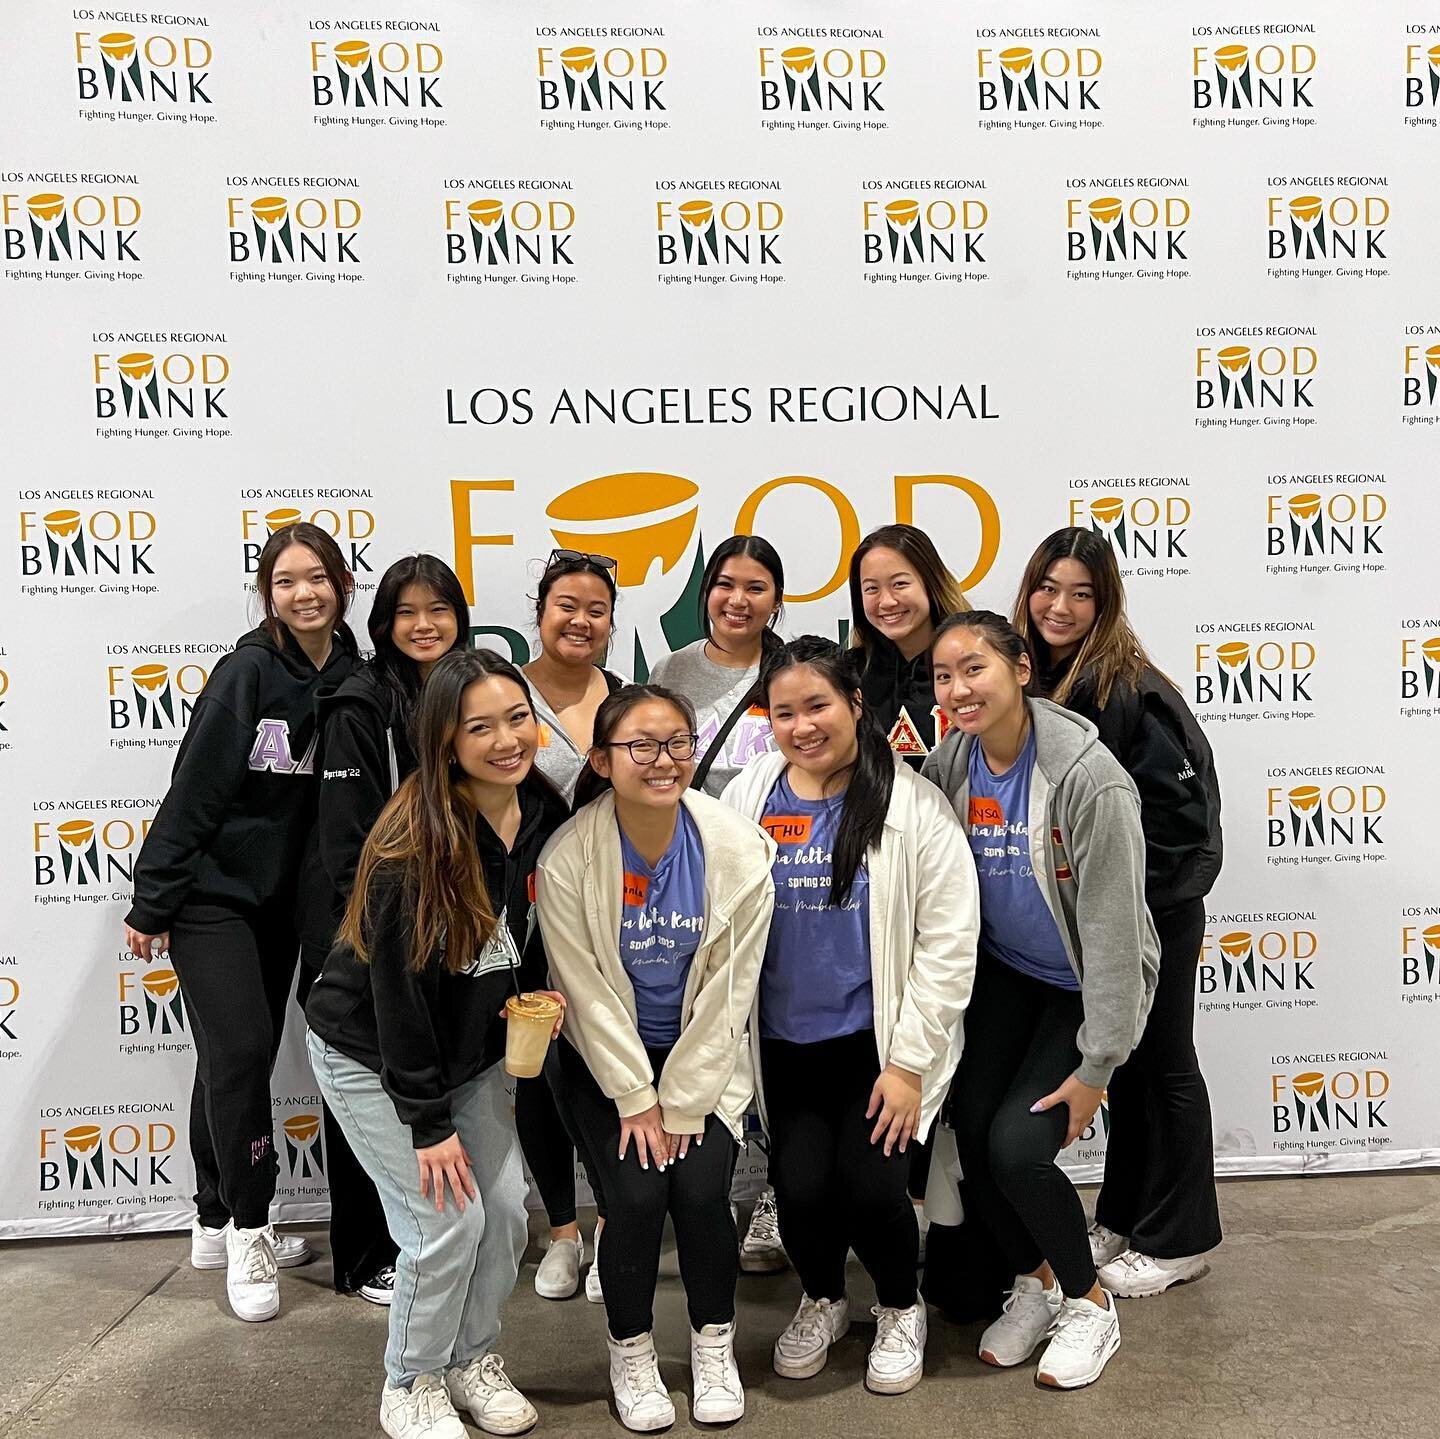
[62, 524]
[82, 1138]
[118, 46]
[302, 1128]
[798, 59]
[902, 213]
[639, 517]
[1232, 654]
[1107, 509]
[1304, 506]
[1432, 936]
[1305, 797]
[1235, 943]
[77, 833]
[354, 53]
[1432, 357]
[1017, 59]
[46, 206]
[1231, 57]
[160, 983]
[1431, 649]
[1234, 357]
[278, 519]
[150, 677]
[137, 366]
[269, 209]
[485, 212]
[578, 59]
[1105, 210]
[1308, 1084]
[697, 213]
[1306, 208]
[1433, 55]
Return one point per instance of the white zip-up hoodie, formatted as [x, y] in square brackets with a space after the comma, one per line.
[578, 893]
[924, 924]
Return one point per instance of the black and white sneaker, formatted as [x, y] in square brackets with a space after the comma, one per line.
[380, 1288]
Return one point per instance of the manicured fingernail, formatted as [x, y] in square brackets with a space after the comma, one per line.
[1037, 1108]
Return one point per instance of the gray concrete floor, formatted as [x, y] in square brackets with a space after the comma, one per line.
[1317, 1320]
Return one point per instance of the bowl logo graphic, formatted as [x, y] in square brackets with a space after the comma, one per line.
[164, 1007]
[85, 1156]
[304, 1151]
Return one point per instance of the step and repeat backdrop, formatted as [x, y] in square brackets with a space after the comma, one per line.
[485, 279]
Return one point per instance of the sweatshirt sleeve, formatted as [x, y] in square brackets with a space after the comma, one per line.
[354, 786]
[596, 1020]
[411, 1071]
[1108, 848]
[947, 928]
[210, 769]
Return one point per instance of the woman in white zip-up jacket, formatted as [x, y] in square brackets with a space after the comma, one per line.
[867, 973]
[655, 901]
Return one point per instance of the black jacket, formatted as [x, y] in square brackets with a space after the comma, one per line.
[899, 693]
[233, 826]
[365, 751]
[426, 1034]
[1151, 731]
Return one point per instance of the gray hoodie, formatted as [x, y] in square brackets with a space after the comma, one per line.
[1088, 852]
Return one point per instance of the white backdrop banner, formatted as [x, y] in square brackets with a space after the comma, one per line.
[485, 279]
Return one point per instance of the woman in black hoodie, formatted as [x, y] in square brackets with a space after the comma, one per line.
[405, 1036]
[367, 747]
[215, 885]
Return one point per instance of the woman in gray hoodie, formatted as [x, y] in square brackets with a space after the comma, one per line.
[1067, 968]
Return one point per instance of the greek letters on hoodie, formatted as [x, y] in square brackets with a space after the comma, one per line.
[232, 828]
[901, 695]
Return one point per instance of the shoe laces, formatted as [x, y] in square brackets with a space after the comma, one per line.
[384, 1278]
[894, 1329]
[764, 1223]
[258, 1264]
[429, 1402]
[1077, 1322]
[642, 1372]
[492, 1372]
[712, 1360]
[1016, 1296]
[811, 1321]
[1132, 1259]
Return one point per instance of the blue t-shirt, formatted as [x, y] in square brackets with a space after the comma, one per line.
[815, 983]
[661, 920]
[1016, 925]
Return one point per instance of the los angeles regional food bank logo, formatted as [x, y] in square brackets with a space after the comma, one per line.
[602, 77]
[1240, 384]
[372, 73]
[84, 856]
[1259, 963]
[89, 229]
[1147, 525]
[304, 229]
[153, 384]
[835, 78]
[1422, 76]
[1339, 820]
[1050, 80]
[1336, 530]
[499, 237]
[136, 74]
[921, 231]
[1247, 84]
[719, 235]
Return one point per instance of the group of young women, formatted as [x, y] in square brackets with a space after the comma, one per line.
[877, 893]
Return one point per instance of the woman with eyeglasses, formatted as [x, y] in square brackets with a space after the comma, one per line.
[655, 903]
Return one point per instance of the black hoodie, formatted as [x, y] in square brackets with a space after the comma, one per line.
[233, 826]
[427, 1033]
[899, 693]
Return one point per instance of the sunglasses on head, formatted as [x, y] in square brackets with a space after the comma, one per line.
[604, 562]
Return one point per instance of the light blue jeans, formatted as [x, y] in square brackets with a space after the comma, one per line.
[456, 1268]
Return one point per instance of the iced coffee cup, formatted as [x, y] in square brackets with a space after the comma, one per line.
[529, 1019]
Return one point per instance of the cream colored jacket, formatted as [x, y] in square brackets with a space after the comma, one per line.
[578, 895]
[924, 924]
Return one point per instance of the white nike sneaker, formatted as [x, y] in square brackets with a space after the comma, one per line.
[423, 1411]
[251, 1278]
[897, 1357]
[1133, 1275]
[1028, 1317]
[804, 1346]
[719, 1395]
[207, 1247]
[484, 1389]
[558, 1274]
[641, 1399]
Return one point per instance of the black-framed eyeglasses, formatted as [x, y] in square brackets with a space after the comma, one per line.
[604, 562]
[680, 747]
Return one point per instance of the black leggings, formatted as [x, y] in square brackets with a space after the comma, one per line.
[1019, 1046]
[1160, 1160]
[235, 969]
[546, 1130]
[694, 1192]
[834, 1190]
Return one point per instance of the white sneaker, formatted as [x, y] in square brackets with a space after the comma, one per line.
[483, 1387]
[593, 1292]
[640, 1397]
[1085, 1337]
[250, 1275]
[207, 1247]
[380, 1287]
[761, 1251]
[1105, 1244]
[803, 1348]
[558, 1274]
[1028, 1317]
[1133, 1275]
[897, 1357]
[423, 1411]
[719, 1395]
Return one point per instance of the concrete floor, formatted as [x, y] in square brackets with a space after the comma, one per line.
[1317, 1320]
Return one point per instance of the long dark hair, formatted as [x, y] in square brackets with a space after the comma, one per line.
[942, 589]
[326, 551]
[1111, 653]
[397, 672]
[613, 708]
[427, 831]
[995, 630]
[867, 797]
[750, 547]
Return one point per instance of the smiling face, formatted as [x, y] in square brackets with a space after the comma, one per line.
[424, 627]
[895, 601]
[659, 785]
[1062, 607]
[301, 595]
[576, 620]
[496, 739]
[741, 602]
[977, 687]
[813, 722]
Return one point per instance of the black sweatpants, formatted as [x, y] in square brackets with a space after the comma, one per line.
[1160, 1161]
[360, 1242]
[1019, 1047]
[834, 1190]
[694, 1192]
[235, 970]
[546, 1131]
